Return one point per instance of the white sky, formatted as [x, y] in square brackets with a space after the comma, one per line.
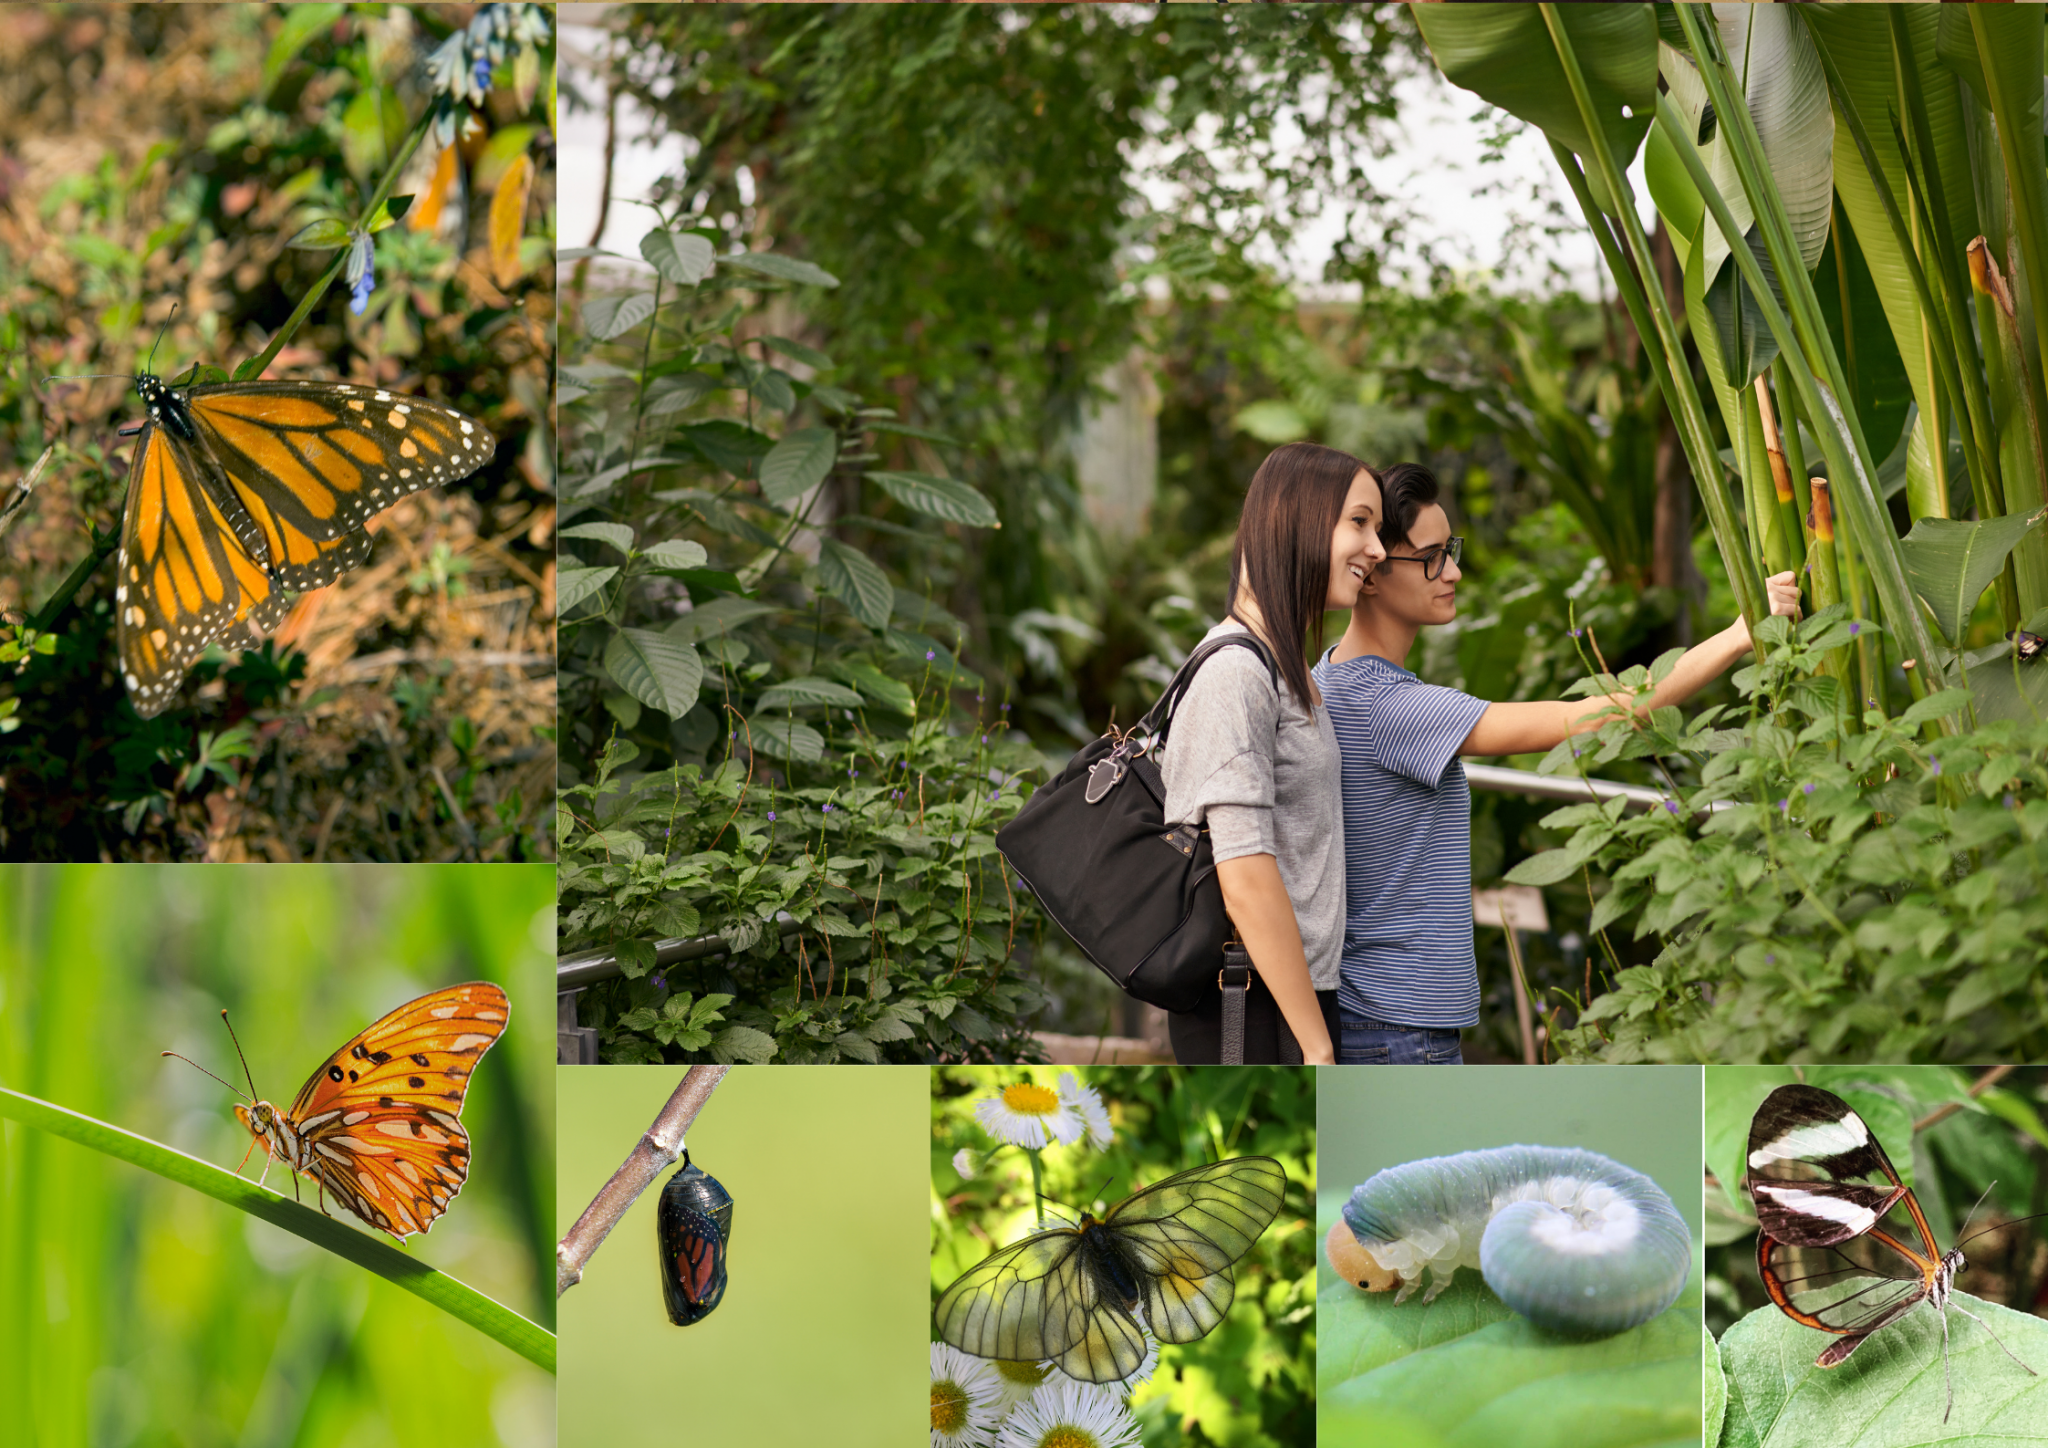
[1437, 165]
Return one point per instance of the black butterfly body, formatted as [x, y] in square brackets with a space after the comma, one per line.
[693, 1227]
[244, 492]
[1075, 1294]
[1823, 1188]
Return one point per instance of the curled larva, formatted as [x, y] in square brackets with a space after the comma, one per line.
[1570, 1240]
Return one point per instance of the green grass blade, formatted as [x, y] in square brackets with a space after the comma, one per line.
[493, 1319]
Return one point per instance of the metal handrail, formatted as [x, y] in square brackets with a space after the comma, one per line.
[587, 966]
[1571, 788]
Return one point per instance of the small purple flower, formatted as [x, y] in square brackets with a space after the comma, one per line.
[1671, 805]
[1578, 632]
[929, 655]
[365, 281]
[1855, 629]
[771, 816]
[2008, 801]
[1006, 708]
[828, 809]
[1809, 789]
[661, 982]
[1935, 765]
[1770, 960]
[979, 699]
[1784, 804]
[984, 739]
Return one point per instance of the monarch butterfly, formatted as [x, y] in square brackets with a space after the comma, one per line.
[1823, 1187]
[1070, 1293]
[692, 1227]
[242, 492]
[379, 1123]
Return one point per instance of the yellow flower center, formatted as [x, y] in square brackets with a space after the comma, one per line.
[1028, 1100]
[1067, 1435]
[1028, 1375]
[949, 1408]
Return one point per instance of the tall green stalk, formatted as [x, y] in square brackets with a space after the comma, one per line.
[1807, 347]
[1652, 318]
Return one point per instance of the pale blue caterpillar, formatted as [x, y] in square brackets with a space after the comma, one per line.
[1568, 1239]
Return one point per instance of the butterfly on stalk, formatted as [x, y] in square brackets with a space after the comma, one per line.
[1073, 1294]
[693, 1227]
[242, 493]
[1823, 1189]
[379, 1124]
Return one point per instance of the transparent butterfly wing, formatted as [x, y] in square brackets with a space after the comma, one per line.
[1055, 1294]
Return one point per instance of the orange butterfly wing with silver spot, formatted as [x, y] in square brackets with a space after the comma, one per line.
[243, 492]
[380, 1119]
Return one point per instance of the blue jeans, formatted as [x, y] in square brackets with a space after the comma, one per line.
[1379, 1043]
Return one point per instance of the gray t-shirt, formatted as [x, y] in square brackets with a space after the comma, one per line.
[1265, 776]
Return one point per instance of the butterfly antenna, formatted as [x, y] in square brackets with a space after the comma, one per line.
[197, 1067]
[1997, 1226]
[151, 362]
[238, 1044]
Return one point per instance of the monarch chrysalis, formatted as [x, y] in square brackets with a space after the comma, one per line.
[693, 1226]
[1568, 1239]
[1072, 1293]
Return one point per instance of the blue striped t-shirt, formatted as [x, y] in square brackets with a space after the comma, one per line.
[1408, 957]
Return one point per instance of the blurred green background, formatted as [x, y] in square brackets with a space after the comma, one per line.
[1251, 1380]
[136, 1311]
[816, 1340]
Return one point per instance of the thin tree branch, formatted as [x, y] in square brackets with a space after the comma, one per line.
[657, 1150]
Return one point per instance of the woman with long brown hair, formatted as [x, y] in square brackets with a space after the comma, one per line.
[1254, 760]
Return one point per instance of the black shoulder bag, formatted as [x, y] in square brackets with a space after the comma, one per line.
[1140, 899]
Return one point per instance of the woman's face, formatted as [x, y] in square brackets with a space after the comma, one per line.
[1355, 548]
[1402, 592]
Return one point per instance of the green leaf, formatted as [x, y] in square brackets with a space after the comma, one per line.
[1950, 563]
[798, 463]
[718, 616]
[786, 268]
[659, 669]
[857, 581]
[742, 1043]
[809, 356]
[300, 24]
[1551, 867]
[681, 257]
[727, 444]
[459, 1300]
[904, 429]
[617, 534]
[878, 687]
[1504, 54]
[945, 498]
[573, 585]
[609, 317]
[327, 234]
[1934, 706]
[795, 693]
[784, 738]
[678, 553]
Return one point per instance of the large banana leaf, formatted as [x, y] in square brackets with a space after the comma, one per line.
[1503, 54]
[1781, 79]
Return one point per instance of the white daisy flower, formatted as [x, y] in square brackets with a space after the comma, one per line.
[1086, 1103]
[964, 1394]
[1027, 1114]
[1019, 1381]
[1070, 1415]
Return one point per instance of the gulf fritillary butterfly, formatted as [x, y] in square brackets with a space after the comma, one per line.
[378, 1125]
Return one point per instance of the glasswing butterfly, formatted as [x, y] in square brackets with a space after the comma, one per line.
[1824, 1189]
[692, 1228]
[1073, 1294]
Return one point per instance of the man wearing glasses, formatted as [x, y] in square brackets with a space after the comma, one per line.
[1410, 979]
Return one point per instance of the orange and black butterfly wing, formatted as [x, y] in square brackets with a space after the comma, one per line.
[310, 462]
[693, 1226]
[380, 1118]
[183, 577]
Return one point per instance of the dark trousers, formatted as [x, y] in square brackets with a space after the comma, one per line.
[1197, 1035]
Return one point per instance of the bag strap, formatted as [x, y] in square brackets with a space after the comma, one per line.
[1159, 718]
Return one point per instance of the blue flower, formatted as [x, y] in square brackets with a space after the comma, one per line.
[361, 271]
[480, 76]
[661, 982]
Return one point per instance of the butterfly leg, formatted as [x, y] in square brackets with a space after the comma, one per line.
[1994, 1336]
[1945, 1376]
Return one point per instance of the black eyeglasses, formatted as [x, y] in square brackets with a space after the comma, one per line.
[1433, 561]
